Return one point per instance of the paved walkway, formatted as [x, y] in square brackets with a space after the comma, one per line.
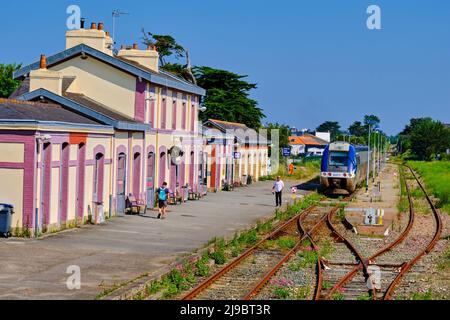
[126, 247]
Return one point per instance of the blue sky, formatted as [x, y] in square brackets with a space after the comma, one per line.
[313, 60]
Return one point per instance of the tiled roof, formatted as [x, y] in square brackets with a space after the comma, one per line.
[22, 89]
[229, 125]
[241, 131]
[307, 139]
[161, 78]
[11, 109]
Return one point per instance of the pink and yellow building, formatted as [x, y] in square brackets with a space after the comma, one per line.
[95, 128]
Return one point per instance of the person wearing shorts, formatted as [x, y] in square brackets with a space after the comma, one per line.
[162, 196]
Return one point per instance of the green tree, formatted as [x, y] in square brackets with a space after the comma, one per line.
[332, 127]
[357, 129]
[165, 45]
[371, 120]
[227, 97]
[283, 132]
[426, 138]
[7, 84]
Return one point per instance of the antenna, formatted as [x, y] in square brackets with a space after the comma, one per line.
[116, 14]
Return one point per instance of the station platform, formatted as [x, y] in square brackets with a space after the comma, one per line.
[125, 248]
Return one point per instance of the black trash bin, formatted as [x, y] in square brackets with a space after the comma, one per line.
[6, 212]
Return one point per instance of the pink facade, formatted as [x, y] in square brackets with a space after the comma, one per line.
[152, 109]
[139, 109]
[46, 183]
[184, 113]
[164, 110]
[99, 174]
[81, 172]
[65, 157]
[174, 111]
[137, 160]
[193, 115]
[29, 167]
[162, 165]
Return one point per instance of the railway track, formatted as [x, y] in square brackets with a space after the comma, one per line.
[248, 274]
[351, 274]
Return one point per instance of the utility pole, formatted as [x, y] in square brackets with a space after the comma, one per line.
[368, 163]
[374, 158]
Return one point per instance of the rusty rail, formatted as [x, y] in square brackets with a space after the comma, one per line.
[362, 262]
[306, 235]
[205, 284]
[428, 249]
[319, 260]
[405, 267]
[349, 276]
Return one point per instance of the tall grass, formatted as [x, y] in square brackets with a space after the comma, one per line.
[436, 176]
[308, 169]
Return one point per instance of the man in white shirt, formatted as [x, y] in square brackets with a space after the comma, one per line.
[278, 191]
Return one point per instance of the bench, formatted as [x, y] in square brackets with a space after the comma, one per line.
[194, 195]
[133, 203]
[174, 199]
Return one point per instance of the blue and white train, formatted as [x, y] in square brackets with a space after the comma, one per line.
[344, 166]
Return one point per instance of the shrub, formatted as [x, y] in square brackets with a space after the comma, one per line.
[286, 242]
[281, 293]
[248, 238]
[308, 258]
[219, 257]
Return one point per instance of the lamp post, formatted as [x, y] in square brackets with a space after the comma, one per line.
[368, 163]
[379, 154]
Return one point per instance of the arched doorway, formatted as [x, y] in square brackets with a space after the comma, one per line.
[99, 173]
[192, 170]
[46, 184]
[137, 175]
[162, 167]
[81, 172]
[121, 182]
[64, 183]
[99, 169]
[151, 180]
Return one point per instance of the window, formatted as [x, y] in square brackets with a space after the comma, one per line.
[338, 159]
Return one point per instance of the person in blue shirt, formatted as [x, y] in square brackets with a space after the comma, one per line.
[162, 196]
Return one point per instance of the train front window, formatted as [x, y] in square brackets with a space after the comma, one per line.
[338, 159]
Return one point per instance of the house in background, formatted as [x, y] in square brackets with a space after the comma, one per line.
[140, 129]
[307, 144]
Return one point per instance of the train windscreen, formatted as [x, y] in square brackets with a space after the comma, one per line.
[338, 159]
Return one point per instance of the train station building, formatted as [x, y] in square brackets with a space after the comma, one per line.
[88, 128]
[134, 126]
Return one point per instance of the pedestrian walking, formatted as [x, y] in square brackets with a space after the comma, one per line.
[162, 195]
[278, 191]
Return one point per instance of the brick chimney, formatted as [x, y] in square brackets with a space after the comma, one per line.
[95, 37]
[148, 58]
[43, 78]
